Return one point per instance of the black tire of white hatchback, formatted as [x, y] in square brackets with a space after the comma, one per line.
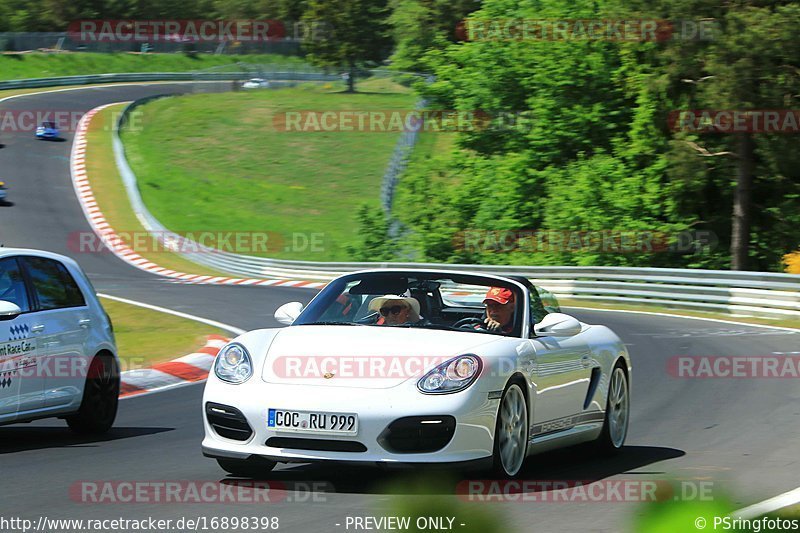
[100, 398]
[253, 467]
[618, 408]
[511, 433]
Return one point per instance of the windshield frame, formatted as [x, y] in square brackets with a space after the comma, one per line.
[321, 302]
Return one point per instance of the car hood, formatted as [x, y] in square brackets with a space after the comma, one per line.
[374, 357]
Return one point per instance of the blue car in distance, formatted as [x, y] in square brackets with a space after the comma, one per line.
[47, 130]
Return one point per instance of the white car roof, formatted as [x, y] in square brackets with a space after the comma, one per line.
[10, 252]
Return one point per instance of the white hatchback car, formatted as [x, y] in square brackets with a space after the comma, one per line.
[58, 357]
[256, 83]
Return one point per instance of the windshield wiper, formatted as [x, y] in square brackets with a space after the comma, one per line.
[428, 326]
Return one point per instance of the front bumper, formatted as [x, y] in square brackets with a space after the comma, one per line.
[472, 438]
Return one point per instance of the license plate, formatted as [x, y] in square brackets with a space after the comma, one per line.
[312, 422]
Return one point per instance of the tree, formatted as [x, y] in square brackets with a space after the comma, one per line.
[598, 153]
[749, 63]
[374, 240]
[418, 26]
[354, 32]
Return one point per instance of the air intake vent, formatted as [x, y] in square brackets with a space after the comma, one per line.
[418, 434]
[322, 445]
[228, 422]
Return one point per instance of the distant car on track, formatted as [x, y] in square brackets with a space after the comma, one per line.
[323, 389]
[47, 130]
[58, 356]
[3, 191]
[255, 83]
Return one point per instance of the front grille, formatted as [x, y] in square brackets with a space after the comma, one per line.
[418, 434]
[321, 445]
[228, 422]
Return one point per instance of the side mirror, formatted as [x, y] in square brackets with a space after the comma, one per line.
[557, 325]
[288, 313]
[9, 311]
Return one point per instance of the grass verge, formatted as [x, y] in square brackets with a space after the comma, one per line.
[18, 66]
[791, 512]
[145, 337]
[112, 199]
[786, 323]
[215, 163]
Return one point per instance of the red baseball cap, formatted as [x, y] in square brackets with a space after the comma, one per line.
[499, 295]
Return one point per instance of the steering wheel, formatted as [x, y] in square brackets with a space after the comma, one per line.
[369, 319]
[469, 321]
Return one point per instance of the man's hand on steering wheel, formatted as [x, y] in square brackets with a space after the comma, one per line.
[491, 325]
[485, 324]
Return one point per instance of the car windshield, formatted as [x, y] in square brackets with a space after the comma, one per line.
[420, 300]
[48, 125]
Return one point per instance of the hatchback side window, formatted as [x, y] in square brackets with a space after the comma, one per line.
[52, 284]
[12, 284]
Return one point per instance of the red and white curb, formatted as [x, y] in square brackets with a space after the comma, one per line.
[187, 369]
[83, 189]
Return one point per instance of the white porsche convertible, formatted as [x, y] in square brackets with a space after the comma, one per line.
[417, 367]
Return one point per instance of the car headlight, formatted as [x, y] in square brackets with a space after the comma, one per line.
[233, 364]
[451, 376]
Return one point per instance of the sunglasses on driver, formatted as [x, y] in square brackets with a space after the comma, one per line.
[395, 309]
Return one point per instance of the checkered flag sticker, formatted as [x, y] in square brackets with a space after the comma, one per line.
[19, 332]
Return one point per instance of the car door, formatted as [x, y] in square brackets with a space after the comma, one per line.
[562, 373]
[64, 317]
[18, 346]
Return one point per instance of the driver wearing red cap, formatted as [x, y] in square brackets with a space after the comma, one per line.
[499, 304]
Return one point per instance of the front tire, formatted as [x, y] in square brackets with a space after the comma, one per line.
[511, 433]
[253, 467]
[618, 409]
[100, 398]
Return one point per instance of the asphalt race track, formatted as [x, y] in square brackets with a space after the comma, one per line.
[740, 435]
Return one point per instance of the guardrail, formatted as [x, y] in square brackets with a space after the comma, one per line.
[739, 292]
[291, 75]
[55, 42]
[398, 163]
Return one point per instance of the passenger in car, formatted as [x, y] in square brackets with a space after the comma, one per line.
[396, 310]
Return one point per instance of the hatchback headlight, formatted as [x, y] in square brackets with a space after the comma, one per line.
[451, 376]
[233, 364]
